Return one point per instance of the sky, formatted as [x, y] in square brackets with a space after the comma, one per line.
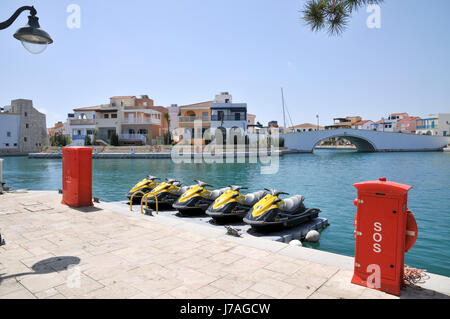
[186, 51]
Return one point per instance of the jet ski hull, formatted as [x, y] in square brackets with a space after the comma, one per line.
[229, 212]
[193, 206]
[290, 221]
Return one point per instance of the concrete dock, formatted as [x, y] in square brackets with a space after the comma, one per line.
[54, 251]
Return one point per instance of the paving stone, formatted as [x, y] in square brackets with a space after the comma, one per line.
[273, 288]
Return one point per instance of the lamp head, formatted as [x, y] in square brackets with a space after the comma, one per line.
[33, 38]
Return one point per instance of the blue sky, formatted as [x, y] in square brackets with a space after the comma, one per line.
[185, 51]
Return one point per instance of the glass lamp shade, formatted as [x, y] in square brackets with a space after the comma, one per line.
[33, 38]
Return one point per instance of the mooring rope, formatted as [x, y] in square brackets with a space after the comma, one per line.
[414, 276]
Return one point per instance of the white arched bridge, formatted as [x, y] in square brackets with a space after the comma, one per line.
[367, 141]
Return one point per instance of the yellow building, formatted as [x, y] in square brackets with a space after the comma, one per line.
[195, 113]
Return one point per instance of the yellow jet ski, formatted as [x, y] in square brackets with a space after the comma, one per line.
[197, 199]
[167, 193]
[145, 186]
[273, 213]
[232, 205]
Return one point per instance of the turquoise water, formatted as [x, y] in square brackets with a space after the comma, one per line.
[325, 178]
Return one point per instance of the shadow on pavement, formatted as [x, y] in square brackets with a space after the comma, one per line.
[47, 266]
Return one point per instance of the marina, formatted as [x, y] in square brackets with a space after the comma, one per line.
[310, 175]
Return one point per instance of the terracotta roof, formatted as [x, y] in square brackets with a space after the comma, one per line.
[200, 104]
[379, 122]
[409, 118]
[89, 108]
[362, 122]
[306, 125]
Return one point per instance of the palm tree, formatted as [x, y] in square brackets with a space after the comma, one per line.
[167, 117]
[331, 14]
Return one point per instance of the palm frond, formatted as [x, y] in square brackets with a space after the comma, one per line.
[314, 14]
[337, 18]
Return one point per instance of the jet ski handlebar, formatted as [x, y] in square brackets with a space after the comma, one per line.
[152, 178]
[173, 181]
[236, 187]
[275, 192]
[202, 184]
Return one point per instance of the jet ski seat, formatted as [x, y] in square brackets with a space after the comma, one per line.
[183, 189]
[252, 198]
[217, 192]
[294, 203]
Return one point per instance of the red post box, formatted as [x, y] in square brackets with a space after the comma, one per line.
[384, 230]
[77, 176]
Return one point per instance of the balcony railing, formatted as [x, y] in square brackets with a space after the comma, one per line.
[82, 122]
[78, 137]
[133, 137]
[141, 121]
[227, 118]
[190, 119]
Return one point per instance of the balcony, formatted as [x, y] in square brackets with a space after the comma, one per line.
[82, 122]
[191, 119]
[133, 137]
[78, 137]
[232, 117]
[141, 121]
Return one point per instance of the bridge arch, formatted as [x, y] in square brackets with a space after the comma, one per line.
[361, 144]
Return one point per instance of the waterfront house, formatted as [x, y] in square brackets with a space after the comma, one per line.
[407, 124]
[135, 120]
[364, 125]
[228, 116]
[194, 114]
[390, 124]
[435, 124]
[23, 128]
[343, 122]
[307, 127]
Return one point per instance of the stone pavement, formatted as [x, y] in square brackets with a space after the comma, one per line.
[53, 251]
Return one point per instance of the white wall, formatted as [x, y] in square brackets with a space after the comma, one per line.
[9, 123]
[381, 141]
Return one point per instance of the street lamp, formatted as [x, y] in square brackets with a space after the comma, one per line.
[318, 127]
[33, 38]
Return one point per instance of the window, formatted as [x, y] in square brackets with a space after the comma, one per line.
[25, 114]
[6, 144]
[106, 116]
[205, 114]
[237, 116]
[26, 125]
[15, 144]
[8, 134]
[24, 139]
[89, 132]
[114, 116]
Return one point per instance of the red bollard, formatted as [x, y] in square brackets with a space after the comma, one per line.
[77, 176]
[385, 229]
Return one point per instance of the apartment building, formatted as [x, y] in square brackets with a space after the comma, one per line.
[195, 114]
[435, 124]
[23, 129]
[307, 127]
[226, 115]
[136, 121]
[364, 125]
[344, 122]
[389, 124]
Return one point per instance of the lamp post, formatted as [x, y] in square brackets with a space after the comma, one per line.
[33, 38]
[318, 127]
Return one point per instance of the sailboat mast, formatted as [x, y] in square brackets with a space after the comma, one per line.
[282, 101]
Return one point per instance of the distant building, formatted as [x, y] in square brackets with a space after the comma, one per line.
[435, 124]
[134, 119]
[23, 129]
[407, 124]
[190, 114]
[344, 122]
[364, 125]
[226, 115]
[390, 124]
[59, 128]
[307, 127]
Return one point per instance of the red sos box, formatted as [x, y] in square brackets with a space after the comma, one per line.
[77, 176]
[384, 230]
